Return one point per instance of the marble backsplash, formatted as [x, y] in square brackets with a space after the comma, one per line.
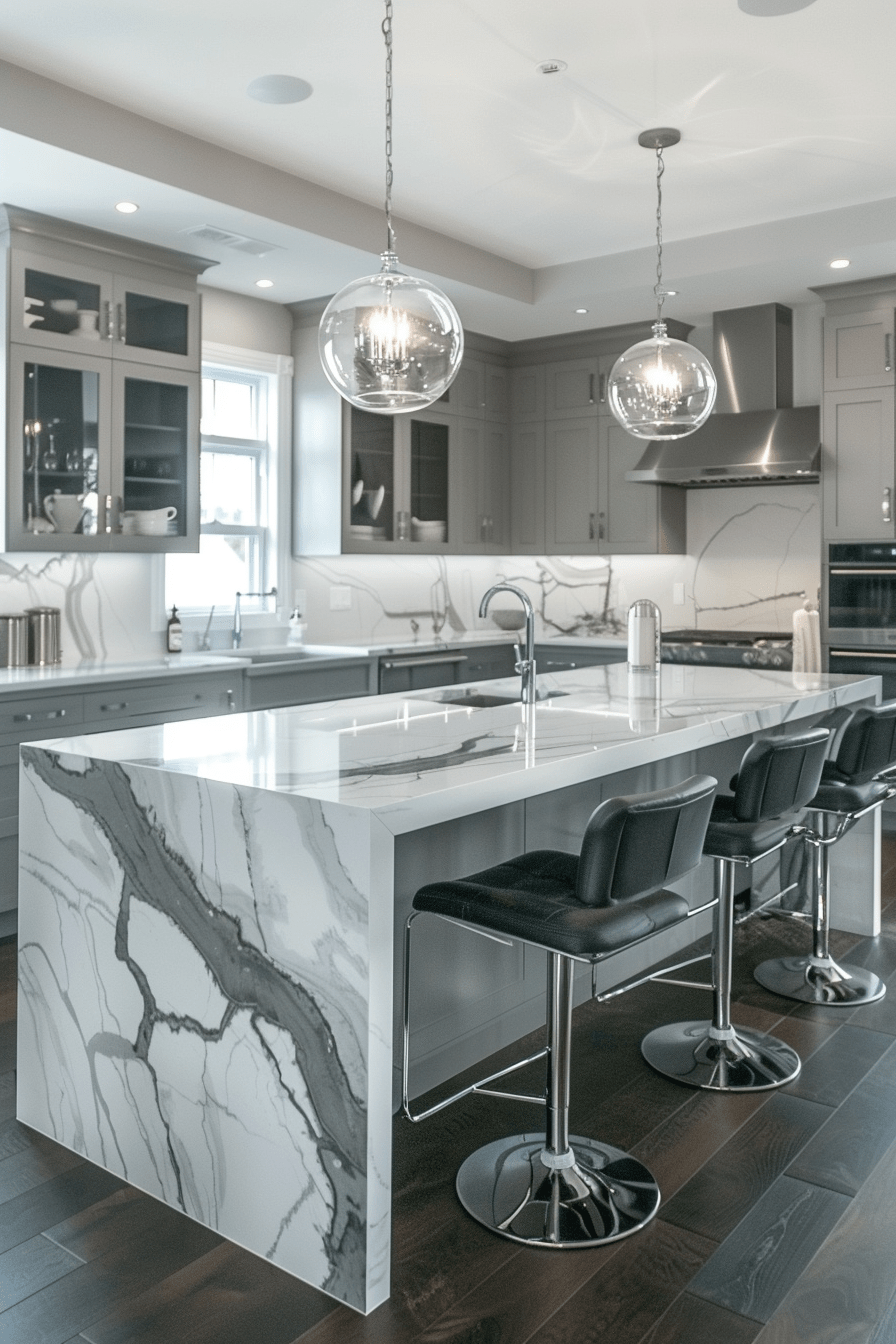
[754, 557]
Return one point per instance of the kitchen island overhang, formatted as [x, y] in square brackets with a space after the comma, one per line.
[207, 924]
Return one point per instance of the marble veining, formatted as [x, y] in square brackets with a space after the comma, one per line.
[227, 978]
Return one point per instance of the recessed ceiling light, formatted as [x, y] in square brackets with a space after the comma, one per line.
[127, 208]
[581, 310]
[550, 67]
[839, 264]
[264, 284]
[279, 89]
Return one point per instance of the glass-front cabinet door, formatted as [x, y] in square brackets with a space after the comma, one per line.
[155, 324]
[58, 305]
[399, 472]
[372, 514]
[58, 450]
[154, 472]
[430, 464]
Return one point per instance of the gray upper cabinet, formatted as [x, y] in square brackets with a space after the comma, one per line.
[481, 477]
[858, 464]
[527, 394]
[480, 391]
[635, 518]
[527, 489]
[572, 389]
[103, 390]
[571, 487]
[859, 350]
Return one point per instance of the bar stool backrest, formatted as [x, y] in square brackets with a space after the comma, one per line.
[868, 744]
[637, 844]
[779, 774]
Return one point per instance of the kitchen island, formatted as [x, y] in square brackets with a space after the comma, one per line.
[209, 913]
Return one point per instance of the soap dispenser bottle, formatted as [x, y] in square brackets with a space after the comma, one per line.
[175, 634]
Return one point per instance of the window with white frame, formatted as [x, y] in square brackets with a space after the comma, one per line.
[243, 402]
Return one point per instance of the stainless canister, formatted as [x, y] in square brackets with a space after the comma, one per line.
[13, 641]
[43, 636]
[644, 634]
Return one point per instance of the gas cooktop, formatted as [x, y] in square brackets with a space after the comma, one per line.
[728, 648]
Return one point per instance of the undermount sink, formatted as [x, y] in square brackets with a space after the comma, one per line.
[478, 699]
[288, 654]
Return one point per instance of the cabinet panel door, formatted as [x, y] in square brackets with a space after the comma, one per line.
[571, 487]
[154, 459]
[496, 486]
[571, 389]
[527, 483]
[57, 305]
[58, 436]
[604, 369]
[527, 393]
[470, 515]
[497, 393]
[858, 350]
[857, 465]
[636, 518]
[155, 324]
[467, 393]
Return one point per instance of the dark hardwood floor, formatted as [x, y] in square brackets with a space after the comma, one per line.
[777, 1223]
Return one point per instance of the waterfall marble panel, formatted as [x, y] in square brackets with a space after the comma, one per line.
[206, 977]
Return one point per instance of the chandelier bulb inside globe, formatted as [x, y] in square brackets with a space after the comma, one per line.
[389, 342]
[661, 388]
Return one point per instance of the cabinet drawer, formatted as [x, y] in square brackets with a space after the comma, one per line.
[40, 716]
[184, 697]
[305, 686]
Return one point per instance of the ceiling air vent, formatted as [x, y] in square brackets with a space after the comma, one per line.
[238, 242]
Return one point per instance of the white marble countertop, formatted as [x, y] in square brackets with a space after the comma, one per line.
[469, 638]
[15, 680]
[414, 761]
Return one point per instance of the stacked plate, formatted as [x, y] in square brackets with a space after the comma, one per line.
[428, 531]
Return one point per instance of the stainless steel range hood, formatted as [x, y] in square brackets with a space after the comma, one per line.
[755, 435]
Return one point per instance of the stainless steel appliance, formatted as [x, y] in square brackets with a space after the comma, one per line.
[13, 641]
[728, 648]
[860, 610]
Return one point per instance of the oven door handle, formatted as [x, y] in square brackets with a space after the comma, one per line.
[889, 572]
[860, 653]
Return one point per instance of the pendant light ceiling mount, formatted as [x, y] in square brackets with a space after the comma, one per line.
[661, 388]
[390, 343]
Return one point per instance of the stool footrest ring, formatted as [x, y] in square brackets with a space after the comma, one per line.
[747, 1061]
[820, 980]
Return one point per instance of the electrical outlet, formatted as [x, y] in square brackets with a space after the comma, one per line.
[678, 594]
[340, 598]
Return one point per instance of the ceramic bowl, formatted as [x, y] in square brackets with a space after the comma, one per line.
[508, 618]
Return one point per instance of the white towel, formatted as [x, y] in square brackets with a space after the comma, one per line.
[806, 639]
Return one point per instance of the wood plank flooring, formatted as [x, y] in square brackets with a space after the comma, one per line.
[776, 1226]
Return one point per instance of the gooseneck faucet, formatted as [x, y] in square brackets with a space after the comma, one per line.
[525, 666]
[237, 632]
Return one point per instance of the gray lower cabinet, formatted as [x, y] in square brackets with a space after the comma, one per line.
[273, 685]
[417, 671]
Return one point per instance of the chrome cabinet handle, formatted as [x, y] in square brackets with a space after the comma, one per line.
[483, 528]
[22, 718]
[112, 709]
[591, 526]
[56, 714]
[122, 328]
[591, 389]
[108, 332]
[600, 527]
[425, 661]
[885, 505]
[112, 511]
[231, 702]
[888, 353]
[602, 384]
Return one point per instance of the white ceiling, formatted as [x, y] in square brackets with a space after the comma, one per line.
[788, 131]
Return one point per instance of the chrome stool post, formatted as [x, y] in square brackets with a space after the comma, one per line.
[857, 782]
[776, 779]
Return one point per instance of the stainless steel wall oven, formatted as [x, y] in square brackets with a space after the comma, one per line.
[860, 610]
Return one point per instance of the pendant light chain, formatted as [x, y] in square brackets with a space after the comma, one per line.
[387, 35]
[658, 290]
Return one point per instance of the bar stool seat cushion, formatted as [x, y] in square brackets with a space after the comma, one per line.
[839, 793]
[729, 838]
[533, 897]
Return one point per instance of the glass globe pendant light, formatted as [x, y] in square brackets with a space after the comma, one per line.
[390, 342]
[661, 388]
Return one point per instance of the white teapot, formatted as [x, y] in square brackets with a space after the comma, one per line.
[65, 511]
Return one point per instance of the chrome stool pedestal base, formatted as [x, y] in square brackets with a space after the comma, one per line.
[820, 980]
[745, 1061]
[601, 1197]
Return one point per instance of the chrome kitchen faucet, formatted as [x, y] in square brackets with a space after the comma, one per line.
[525, 666]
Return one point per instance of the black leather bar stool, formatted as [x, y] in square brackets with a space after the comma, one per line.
[777, 778]
[851, 786]
[555, 1189]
